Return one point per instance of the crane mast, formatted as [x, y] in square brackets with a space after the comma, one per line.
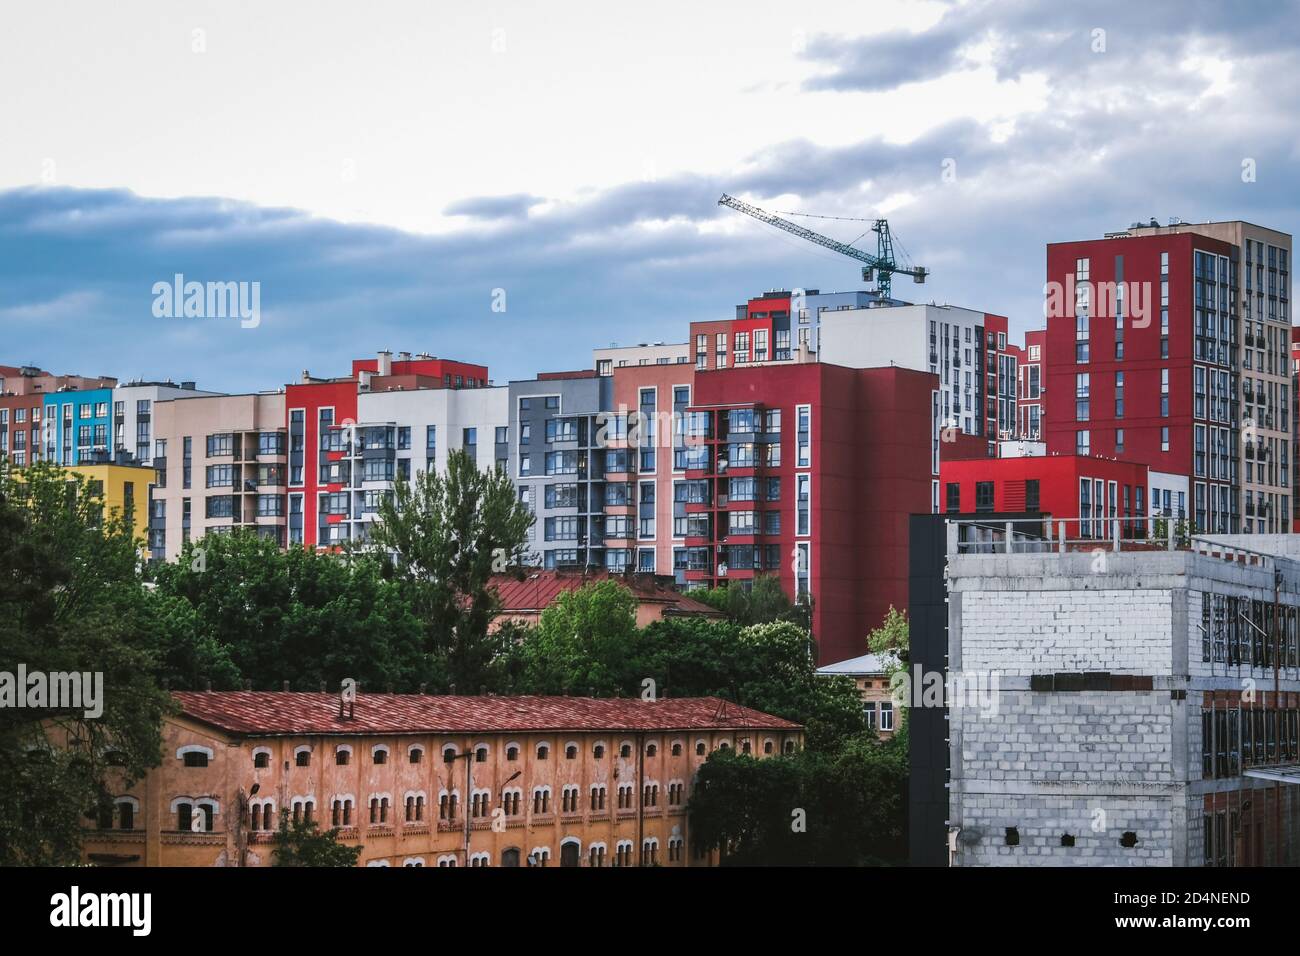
[882, 263]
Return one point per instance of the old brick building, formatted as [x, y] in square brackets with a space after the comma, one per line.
[422, 780]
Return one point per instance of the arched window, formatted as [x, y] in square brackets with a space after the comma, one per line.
[768, 746]
[541, 800]
[512, 752]
[677, 749]
[447, 805]
[126, 809]
[598, 793]
[571, 752]
[379, 754]
[789, 746]
[598, 751]
[699, 748]
[342, 755]
[480, 754]
[650, 852]
[745, 747]
[415, 754]
[302, 756]
[724, 746]
[449, 753]
[261, 758]
[194, 755]
[596, 854]
[413, 861]
[651, 750]
[625, 751]
[543, 751]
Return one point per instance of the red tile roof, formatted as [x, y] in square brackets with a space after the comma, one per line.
[276, 713]
[539, 589]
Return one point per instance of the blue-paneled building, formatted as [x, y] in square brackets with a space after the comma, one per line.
[77, 425]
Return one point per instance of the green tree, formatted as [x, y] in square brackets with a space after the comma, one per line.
[584, 643]
[303, 843]
[891, 639]
[770, 667]
[764, 603]
[845, 807]
[71, 601]
[743, 806]
[235, 607]
[446, 534]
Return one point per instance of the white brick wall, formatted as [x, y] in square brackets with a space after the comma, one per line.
[1035, 632]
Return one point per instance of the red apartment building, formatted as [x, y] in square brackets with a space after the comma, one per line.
[1157, 387]
[649, 511]
[1066, 487]
[809, 471]
[1164, 346]
[317, 411]
[1029, 391]
[759, 333]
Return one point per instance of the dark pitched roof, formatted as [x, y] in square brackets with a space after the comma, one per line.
[275, 713]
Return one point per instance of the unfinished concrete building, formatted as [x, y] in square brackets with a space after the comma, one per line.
[1129, 704]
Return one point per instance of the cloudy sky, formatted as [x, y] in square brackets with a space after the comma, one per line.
[381, 168]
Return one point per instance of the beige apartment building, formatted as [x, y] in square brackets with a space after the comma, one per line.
[420, 780]
[221, 464]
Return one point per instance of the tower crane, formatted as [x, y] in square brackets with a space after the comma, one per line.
[882, 264]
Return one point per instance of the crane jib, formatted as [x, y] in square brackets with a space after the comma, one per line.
[882, 263]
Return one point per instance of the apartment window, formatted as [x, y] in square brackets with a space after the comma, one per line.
[953, 502]
[803, 437]
[742, 347]
[803, 504]
[1083, 443]
[983, 496]
[1164, 438]
[222, 444]
[1031, 498]
[220, 476]
[1119, 441]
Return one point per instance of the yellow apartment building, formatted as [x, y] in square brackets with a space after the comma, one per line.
[122, 486]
